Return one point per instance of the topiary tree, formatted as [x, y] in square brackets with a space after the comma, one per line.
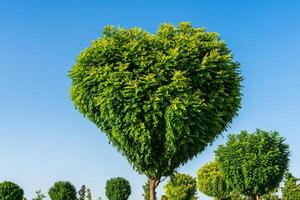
[117, 189]
[180, 187]
[10, 191]
[160, 98]
[62, 190]
[290, 189]
[254, 164]
[211, 182]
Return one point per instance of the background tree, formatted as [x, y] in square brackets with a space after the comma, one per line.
[160, 98]
[117, 189]
[254, 164]
[39, 195]
[10, 191]
[211, 182]
[62, 190]
[88, 194]
[81, 193]
[180, 187]
[290, 189]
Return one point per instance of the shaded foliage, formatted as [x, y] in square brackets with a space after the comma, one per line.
[10, 191]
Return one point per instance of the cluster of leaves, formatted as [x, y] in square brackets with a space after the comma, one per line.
[39, 195]
[254, 164]
[211, 182]
[10, 191]
[291, 189]
[62, 190]
[180, 187]
[160, 98]
[117, 189]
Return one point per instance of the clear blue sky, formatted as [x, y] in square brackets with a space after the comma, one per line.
[44, 139]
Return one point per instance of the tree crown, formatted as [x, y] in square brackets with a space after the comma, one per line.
[254, 164]
[160, 98]
[117, 189]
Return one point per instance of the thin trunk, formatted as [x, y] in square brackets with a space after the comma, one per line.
[257, 197]
[153, 184]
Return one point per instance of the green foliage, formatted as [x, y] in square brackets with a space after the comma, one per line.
[39, 195]
[88, 194]
[62, 190]
[180, 187]
[160, 98]
[10, 191]
[117, 189]
[211, 182]
[290, 190]
[81, 193]
[254, 164]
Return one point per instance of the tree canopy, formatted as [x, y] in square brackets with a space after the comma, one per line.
[160, 98]
[117, 189]
[254, 164]
[10, 191]
[180, 187]
[211, 182]
[62, 190]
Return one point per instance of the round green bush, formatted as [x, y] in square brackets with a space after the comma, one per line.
[10, 191]
[117, 189]
[254, 164]
[211, 182]
[62, 190]
[180, 187]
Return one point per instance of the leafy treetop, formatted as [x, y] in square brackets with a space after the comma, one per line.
[160, 98]
[254, 164]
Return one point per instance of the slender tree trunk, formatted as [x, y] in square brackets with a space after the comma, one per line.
[257, 197]
[153, 184]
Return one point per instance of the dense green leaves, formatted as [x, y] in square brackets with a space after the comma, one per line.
[117, 189]
[211, 182]
[160, 98]
[62, 190]
[291, 189]
[10, 191]
[254, 164]
[180, 187]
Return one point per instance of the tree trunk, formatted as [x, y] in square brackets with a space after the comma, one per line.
[153, 184]
[257, 197]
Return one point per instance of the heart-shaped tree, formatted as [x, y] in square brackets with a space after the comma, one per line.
[160, 98]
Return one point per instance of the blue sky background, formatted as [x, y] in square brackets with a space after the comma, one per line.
[44, 139]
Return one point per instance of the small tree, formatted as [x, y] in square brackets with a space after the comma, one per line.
[10, 191]
[160, 98]
[180, 187]
[211, 182]
[81, 193]
[117, 189]
[88, 194]
[39, 195]
[254, 164]
[290, 189]
[62, 190]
